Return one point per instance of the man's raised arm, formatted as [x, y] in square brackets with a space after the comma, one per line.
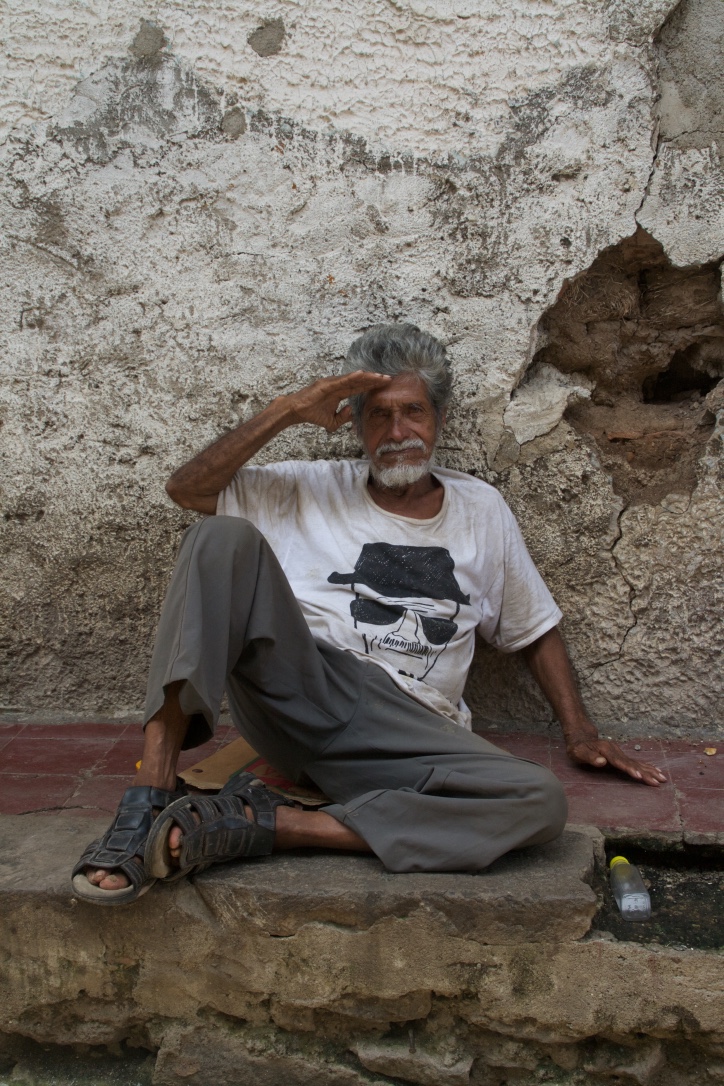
[548, 660]
[198, 483]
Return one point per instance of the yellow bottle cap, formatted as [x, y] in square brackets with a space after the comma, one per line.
[618, 860]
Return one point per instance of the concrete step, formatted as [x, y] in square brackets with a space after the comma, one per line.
[326, 970]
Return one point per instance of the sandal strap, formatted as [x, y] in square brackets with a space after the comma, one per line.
[224, 831]
[259, 797]
[126, 835]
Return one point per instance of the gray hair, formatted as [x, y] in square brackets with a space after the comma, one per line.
[394, 349]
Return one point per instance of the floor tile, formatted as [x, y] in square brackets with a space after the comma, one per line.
[22, 794]
[51, 757]
[694, 770]
[616, 804]
[75, 731]
[100, 793]
[703, 811]
[120, 759]
[10, 728]
[682, 746]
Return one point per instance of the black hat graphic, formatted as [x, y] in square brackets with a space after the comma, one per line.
[405, 572]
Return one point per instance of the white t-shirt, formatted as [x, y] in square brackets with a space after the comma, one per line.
[405, 594]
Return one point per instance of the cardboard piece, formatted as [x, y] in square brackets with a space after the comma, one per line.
[213, 772]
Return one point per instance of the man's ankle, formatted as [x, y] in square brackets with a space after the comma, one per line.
[161, 779]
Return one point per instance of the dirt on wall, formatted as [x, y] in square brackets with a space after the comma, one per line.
[651, 338]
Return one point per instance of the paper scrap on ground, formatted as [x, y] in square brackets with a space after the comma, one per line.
[213, 772]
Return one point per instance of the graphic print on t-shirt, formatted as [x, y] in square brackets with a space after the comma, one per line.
[406, 600]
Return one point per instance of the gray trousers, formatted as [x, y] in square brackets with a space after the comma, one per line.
[425, 794]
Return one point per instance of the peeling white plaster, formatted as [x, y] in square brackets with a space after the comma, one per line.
[684, 208]
[416, 77]
[538, 405]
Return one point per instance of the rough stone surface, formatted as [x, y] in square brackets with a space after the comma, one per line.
[415, 1065]
[192, 226]
[364, 977]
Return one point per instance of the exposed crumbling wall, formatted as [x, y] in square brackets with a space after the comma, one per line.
[201, 208]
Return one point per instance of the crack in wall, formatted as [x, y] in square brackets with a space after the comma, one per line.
[631, 587]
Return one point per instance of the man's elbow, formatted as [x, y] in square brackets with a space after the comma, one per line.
[179, 494]
[184, 498]
[176, 492]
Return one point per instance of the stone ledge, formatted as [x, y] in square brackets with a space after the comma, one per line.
[286, 929]
[541, 894]
[324, 970]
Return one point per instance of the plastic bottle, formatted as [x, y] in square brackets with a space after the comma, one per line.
[631, 895]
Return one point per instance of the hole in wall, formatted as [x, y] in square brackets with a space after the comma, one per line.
[681, 380]
[651, 338]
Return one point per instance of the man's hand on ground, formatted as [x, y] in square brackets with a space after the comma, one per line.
[602, 752]
[318, 403]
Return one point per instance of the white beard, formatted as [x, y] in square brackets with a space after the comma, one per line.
[399, 475]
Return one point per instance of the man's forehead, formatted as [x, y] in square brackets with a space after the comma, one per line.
[405, 388]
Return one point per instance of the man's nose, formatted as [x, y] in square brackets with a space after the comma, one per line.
[399, 430]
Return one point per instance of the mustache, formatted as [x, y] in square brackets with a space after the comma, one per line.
[400, 446]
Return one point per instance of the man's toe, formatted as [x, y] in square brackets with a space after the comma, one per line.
[96, 875]
[175, 839]
[115, 880]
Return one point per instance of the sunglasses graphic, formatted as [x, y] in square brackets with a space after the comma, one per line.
[438, 631]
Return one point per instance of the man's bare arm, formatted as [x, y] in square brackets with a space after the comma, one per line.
[548, 661]
[198, 483]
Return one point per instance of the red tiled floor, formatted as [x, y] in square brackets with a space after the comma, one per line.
[225, 732]
[86, 767]
[614, 803]
[695, 770]
[21, 794]
[120, 759]
[57, 756]
[84, 731]
[703, 811]
[102, 793]
[9, 729]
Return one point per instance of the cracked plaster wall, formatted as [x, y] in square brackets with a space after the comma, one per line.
[194, 222]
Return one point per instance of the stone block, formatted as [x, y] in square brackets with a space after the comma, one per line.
[198, 1057]
[638, 1064]
[415, 1065]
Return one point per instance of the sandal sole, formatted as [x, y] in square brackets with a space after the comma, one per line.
[157, 857]
[88, 891]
